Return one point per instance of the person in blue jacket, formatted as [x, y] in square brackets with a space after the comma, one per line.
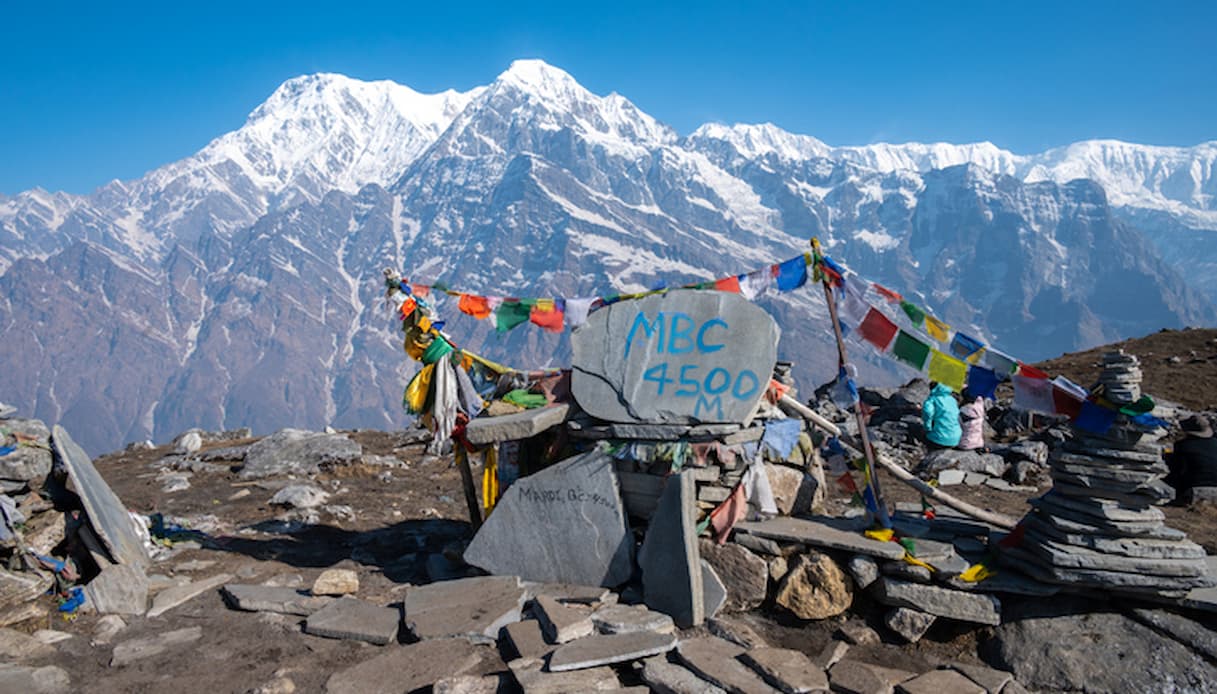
[940, 415]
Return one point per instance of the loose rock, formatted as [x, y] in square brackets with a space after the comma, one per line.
[336, 582]
[815, 588]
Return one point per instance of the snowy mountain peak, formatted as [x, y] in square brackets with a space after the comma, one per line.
[763, 139]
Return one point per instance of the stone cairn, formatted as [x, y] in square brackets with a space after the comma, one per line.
[1099, 525]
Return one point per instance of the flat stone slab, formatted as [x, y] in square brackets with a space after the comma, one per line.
[414, 666]
[570, 593]
[533, 679]
[1204, 598]
[526, 638]
[822, 531]
[564, 524]
[1072, 556]
[473, 608]
[1041, 569]
[718, 661]
[990, 679]
[352, 618]
[34, 680]
[107, 514]
[513, 427]
[172, 597]
[273, 599]
[714, 592]
[118, 589]
[672, 574]
[560, 623]
[671, 678]
[674, 358]
[788, 670]
[605, 649]
[1056, 503]
[1005, 581]
[624, 619]
[146, 647]
[940, 682]
[1078, 523]
[953, 604]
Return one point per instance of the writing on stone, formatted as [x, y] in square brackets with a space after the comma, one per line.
[573, 495]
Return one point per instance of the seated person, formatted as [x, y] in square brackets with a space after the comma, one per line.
[1193, 464]
[940, 415]
[972, 421]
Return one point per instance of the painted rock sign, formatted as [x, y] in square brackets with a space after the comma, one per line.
[680, 357]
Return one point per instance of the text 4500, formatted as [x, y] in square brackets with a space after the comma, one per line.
[709, 389]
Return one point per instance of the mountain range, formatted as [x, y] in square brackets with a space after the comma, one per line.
[241, 286]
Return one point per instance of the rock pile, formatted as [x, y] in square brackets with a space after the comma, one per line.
[1099, 525]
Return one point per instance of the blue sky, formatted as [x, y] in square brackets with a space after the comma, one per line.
[103, 91]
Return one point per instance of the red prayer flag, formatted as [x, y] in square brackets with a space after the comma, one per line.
[728, 513]
[727, 284]
[549, 318]
[887, 293]
[878, 329]
[476, 306]
[1066, 403]
[1029, 371]
[422, 289]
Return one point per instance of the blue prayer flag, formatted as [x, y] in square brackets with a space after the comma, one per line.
[963, 346]
[982, 382]
[792, 274]
[1095, 418]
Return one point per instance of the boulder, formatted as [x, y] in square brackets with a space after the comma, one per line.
[969, 461]
[27, 463]
[794, 491]
[297, 452]
[336, 582]
[815, 587]
[300, 496]
[744, 574]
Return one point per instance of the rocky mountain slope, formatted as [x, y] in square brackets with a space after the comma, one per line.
[240, 286]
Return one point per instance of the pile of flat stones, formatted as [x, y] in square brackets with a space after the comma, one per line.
[1099, 525]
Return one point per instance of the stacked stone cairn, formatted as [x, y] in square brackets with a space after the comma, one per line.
[1099, 525]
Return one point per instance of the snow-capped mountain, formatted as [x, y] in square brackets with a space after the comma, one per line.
[240, 286]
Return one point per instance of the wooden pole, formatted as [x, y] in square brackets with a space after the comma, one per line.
[471, 495]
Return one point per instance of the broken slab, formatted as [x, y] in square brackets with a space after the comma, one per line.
[352, 618]
[560, 623]
[564, 524]
[526, 638]
[118, 589]
[716, 660]
[15, 645]
[624, 619]
[148, 646]
[674, 358]
[605, 649]
[473, 608]
[514, 427]
[940, 682]
[414, 666]
[853, 677]
[743, 573]
[823, 531]
[713, 591]
[909, 624]
[786, 669]
[671, 678]
[273, 599]
[978, 608]
[530, 675]
[672, 579]
[107, 514]
[990, 679]
[172, 597]
[34, 680]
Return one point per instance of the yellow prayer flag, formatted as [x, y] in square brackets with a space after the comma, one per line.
[947, 370]
[976, 573]
[974, 357]
[880, 534]
[937, 329]
[545, 305]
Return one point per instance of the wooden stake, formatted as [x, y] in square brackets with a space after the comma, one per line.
[471, 495]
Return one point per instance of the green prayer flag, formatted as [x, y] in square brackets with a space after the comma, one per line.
[510, 314]
[910, 350]
[914, 313]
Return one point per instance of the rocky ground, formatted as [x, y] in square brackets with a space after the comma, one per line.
[394, 517]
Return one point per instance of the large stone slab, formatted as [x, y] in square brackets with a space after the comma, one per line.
[671, 565]
[527, 640]
[106, 511]
[788, 670]
[1097, 509]
[564, 524]
[273, 599]
[561, 623]
[298, 452]
[940, 682]
[942, 602]
[1041, 569]
[1072, 556]
[623, 619]
[118, 589]
[172, 597]
[606, 649]
[822, 531]
[1071, 522]
[533, 679]
[352, 618]
[34, 680]
[149, 646]
[473, 608]
[718, 661]
[670, 678]
[513, 427]
[678, 357]
[413, 667]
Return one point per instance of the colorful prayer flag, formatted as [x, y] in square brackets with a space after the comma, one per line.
[1095, 418]
[792, 274]
[1028, 371]
[915, 314]
[936, 328]
[965, 347]
[728, 284]
[577, 310]
[877, 329]
[1033, 394]
[476, 306]
[910, 350]
[947, 370]
[1065, 402]
[982, 382]
[547, 316]
[511, 313]
[1002, 364]
[756, 283]
[886, 293]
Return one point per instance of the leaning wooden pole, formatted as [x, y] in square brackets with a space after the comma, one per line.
[471, 495]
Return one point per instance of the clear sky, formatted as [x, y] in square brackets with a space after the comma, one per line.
[99, 91]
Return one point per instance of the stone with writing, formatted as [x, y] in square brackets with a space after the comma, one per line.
[564, 524]
[680, 357]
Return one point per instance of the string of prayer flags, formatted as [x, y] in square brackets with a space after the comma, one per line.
[936, 329]
[853, 303]
[910, 350]
[1001, 363]
[756, 283]
[914, 312]
[982, 382]
[886, 293]
[1095, 418]
[877, 329]
[1028, 371]
[472, 305]
[966, 348]
[546, 314]
[947, 370]
[791, 274]
[577, 310]
[1034, 394]
[1065, 402]
[728, 284]
[511, 313]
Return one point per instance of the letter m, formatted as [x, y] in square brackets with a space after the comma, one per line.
[649, 329]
